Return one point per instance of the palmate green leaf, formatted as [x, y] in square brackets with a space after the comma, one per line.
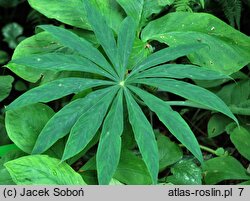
[181, 71]
[61, 62]
[165, 55]
[62, 122]
[125, 43]
[103, 33]
[80, 45]
[87, 125]
[5, 86]
[31, 170]
[179, 28]
[190, 92]
[24, 124]
[144, 136]
[55, 90]
[172, 120]
[240, 137]
[109, 148]
[223, 168]
[133, 8]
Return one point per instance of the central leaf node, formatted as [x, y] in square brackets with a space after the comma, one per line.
[122, 83]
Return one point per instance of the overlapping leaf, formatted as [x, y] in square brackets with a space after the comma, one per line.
[103, 33]
[55, 90]
[64, 120]
[61, 62]
[84, 129]
[144, 136]
[170, 119]
[191, 92]
[80, 45]
[180, 71]
[109, 148]
[125, 43]
[165, 55]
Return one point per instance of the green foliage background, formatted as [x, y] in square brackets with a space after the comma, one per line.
[132, 92]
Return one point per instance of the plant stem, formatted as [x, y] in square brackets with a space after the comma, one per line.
[207, 149]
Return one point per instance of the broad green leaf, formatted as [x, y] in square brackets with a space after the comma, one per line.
[133, 8]
[72, 12]
[5, 178]
[109, 147]
[55, 90]
[89, 176]
[103, 33]
[80, 45]
[132, 170]
[169, 152]
[179, 28]
[217, 125]
[24, 124]
[144, 136]
[61, 62]
[180, 71]
[223, 168]
[84, 129]
[4, 149]
[185, 172]
[31, 170]
[165, 55]
[190, 92]
[125, 43]
[172, 120]
[62, 122]
[237, 97]
[245, 183]
[153, 7]
[240, 137]
[115, 182]
[5, 86]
